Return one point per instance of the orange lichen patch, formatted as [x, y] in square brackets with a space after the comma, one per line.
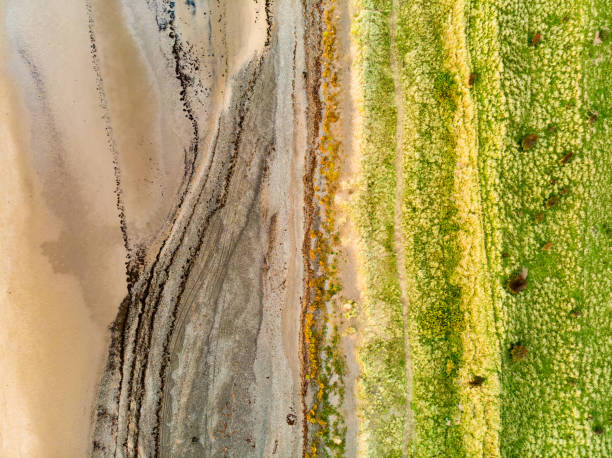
[319, 336]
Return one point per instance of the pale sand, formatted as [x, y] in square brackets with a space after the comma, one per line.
[62, 270]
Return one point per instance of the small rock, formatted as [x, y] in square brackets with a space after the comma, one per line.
[519, 282]
[597, 39]
[551, 202]
[566, 158]
[472, 79]
[477, 380]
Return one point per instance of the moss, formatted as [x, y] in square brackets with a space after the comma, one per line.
[443, 318]
[445, 90]
[518, 352]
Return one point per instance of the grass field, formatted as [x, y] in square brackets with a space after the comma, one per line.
[492, 124]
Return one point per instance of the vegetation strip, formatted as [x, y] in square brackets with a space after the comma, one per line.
[383, 385]
[325, 365]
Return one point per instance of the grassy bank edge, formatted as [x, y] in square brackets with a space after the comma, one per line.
[383, 387]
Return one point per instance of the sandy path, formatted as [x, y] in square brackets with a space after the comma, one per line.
[349, 268]
[396, 62]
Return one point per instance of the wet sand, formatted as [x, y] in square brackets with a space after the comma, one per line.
[63, 257]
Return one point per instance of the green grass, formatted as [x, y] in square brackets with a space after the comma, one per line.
[430, 227]
[477, 207]
[552, 84]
